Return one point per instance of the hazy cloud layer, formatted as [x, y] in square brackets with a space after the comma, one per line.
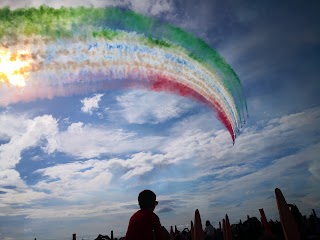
[144, 107]
[242, 168]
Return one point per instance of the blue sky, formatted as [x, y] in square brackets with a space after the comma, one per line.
[76, 164]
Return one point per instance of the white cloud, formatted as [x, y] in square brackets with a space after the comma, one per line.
[76, 180]
[243, 173]
[24, 133]
[72, 211]
[20, 197]
[149, 107]
[141, 163]
[202, 149]
[91, 104]
[72, 181]
[85, 141]
[10, 177]
[37, 129]
[137, 171]
[247, 166]
[11, 125]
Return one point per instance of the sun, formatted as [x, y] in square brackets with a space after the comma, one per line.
[14, 67]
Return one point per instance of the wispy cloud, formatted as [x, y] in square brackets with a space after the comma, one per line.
[67, 181]
[219, 176]
[144, 107]
[314, 168]
[165, 210]
[86, 141]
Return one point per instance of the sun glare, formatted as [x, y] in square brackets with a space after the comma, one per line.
[14, 67]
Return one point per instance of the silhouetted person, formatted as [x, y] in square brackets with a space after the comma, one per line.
[145, 224]
[101, 237]
[252, 228]
[209, 230]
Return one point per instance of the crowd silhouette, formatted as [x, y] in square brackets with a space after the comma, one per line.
[292, 226]
[250, 229]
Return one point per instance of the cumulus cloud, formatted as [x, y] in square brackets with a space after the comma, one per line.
[10, 177]
[24, 133]
[91, 104]
[35, 130]
[11, 125]
[148, 107]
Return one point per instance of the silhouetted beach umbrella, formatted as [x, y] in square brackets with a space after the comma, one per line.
[197, 229]
[228, 228]
[289, 226]
[265, 222]
[171, 232]
[224, 229]
[316, 221]
[192, 230]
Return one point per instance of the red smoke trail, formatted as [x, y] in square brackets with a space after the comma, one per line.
[160, 82]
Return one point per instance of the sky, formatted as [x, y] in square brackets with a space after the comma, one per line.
[76, 163]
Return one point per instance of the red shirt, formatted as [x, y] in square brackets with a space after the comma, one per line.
[142, 224]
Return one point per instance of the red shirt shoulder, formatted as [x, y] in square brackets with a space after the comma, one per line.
[143, 225]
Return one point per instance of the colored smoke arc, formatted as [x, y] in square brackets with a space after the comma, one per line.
[47, 52]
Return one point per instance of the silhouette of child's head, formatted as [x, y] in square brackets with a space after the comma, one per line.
[208, 223]
[147, 199]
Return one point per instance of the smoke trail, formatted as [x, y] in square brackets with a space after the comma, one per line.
[78, 50]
